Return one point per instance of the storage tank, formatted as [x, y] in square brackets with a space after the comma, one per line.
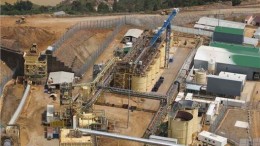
[195, 119]
[153, 71]
[201, 77]
[157, 64]
[211, 66]
[181, 127]
[162, 56]
[139, 83]
[85, 92]
[193, 108]
[149, 77]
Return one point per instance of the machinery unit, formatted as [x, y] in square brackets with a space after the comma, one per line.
[212, 139]
[74, 138]
[35, 65]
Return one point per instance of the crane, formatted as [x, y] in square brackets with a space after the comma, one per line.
[166, 26]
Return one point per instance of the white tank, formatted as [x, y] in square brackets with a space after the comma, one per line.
[211, 66]
[201, 77]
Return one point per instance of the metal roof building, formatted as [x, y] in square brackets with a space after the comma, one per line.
[132, 34]
[56, 78]
[208, 23]
[228, 35]
[230, 58]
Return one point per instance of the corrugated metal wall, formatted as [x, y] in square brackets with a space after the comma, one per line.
[228, 38]
[224, 86]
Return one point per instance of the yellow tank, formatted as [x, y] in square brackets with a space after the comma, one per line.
[149, 77]
[195, 119]
[139, 83]
[153, 70]
[201, 77]
[162, 57]
[181, 127]
[157, 64]
[85, 92]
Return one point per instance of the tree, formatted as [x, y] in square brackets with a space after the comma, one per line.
[89, 7]
[236, 2]
[103, 8]
[23, 5]
[115, 6]
[76, 6]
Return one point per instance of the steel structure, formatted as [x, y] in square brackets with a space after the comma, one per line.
[166, 26]
[124, 137]
[35, 66]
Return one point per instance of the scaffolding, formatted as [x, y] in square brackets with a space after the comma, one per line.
[35, 65]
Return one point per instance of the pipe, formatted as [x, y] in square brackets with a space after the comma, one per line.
[130, 138]
[20, 106]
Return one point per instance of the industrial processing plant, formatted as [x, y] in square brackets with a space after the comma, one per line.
[174, 77]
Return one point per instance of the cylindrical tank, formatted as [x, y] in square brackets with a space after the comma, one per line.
[139, 83]
[85, 92]
[201, 77]
[162, 56]
[181, 127]
[195, 119]
[149, 77]
[153, 71]
[157, 64]
[211, 66]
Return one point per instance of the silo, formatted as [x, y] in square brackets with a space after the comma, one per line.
[211, 66]
[157, 64]
[162, 56]
[149, 77]
[153, 71]
[85, 92]
[139, 83]
[181, 127]
[201, 77]
[195, 119]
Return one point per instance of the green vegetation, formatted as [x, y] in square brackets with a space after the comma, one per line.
[87, 6]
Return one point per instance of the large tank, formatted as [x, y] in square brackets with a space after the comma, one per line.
[139, 83]
[153, 70]
[201, 77]
[162, 56]
[85, 92]
[195, 120]
[181, 127]
[157, 64]
[211, 66]
[149, 77]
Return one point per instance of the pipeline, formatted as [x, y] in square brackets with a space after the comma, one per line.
[20, 106]
[130, 138]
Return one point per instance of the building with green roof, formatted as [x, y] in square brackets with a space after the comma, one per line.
[228, 35]
[230, 58]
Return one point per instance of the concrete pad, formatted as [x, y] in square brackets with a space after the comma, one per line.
[241, 124]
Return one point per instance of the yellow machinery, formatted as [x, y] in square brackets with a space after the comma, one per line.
[21, 20]
[35, 66]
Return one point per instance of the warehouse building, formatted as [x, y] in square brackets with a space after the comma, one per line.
[230, 58]
[207, 23]
[228, 35]
[234, 82]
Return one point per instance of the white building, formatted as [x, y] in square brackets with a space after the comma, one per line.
[257, 34]
[132, 35]
[211, 138]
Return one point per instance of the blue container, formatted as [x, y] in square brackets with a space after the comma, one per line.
[56, 135]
